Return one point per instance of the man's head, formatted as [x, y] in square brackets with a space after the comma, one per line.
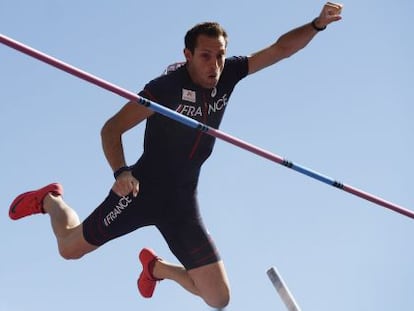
[209, 29]
[205, 52]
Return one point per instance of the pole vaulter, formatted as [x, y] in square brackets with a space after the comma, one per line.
[199, 126]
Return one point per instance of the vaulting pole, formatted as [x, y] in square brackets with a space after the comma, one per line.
[282, 289]
[199, 126]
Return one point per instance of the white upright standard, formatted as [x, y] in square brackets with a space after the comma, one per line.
[282, 289]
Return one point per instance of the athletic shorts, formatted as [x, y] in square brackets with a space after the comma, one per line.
[175, 212]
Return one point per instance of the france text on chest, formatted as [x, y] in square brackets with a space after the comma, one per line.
[195, 110]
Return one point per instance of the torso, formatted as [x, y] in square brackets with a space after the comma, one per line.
[174, 152]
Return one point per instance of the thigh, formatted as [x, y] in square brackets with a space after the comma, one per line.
[117, 216]
[187, 236]
[74, 245]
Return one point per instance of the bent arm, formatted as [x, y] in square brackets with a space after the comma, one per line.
[129, 116]
[294, 40]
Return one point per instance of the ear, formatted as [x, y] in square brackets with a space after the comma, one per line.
[188, 55]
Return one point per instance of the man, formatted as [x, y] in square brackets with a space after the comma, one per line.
[160, 189]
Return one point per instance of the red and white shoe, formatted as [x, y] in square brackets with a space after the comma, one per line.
[146, 281]
[31, 202]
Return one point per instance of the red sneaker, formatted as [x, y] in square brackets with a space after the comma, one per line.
[31, 202]
[146, 281]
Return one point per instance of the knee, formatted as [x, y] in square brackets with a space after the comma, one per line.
[69, 254]
[220, 304]
[74, 246]
[220, 300]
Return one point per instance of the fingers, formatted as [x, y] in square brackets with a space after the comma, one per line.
[331, 12]
[334, 8]
[126, 184]
[135, 187]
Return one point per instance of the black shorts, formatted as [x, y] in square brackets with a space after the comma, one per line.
[174, 212]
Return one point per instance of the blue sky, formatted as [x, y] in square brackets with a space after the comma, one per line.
[342, 106]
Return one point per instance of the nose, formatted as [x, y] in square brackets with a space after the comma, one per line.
[214, 64]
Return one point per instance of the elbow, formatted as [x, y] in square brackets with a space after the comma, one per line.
[107, 134]
[285, 48]
[110, 135]
[287, 52]
[107, 129]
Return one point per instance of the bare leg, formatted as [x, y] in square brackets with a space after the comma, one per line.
[210, 282]
[66, 227]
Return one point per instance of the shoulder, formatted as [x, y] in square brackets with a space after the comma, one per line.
[165, 86]
[236, 67]
[236, 59]
[171, 73]
[171, 77]
[239, 63]
[173, 67]
[236, 62]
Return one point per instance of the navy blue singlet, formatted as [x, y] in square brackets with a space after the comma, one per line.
[169, 168]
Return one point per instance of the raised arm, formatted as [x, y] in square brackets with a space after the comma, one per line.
[294, 40]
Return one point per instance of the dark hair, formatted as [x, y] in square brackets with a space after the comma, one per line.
[210, 29]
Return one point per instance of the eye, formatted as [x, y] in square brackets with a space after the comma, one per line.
[205, 56]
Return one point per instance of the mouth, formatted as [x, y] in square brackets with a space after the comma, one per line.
[210, 80]
[213, 76]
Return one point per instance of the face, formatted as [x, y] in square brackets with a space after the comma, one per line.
[206, 64]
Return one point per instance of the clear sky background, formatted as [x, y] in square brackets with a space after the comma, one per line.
[343, 106]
